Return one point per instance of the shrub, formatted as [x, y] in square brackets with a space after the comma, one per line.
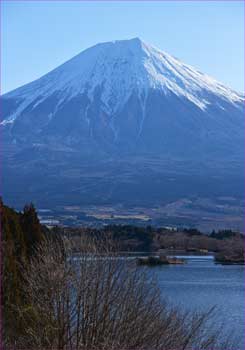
[95, 300]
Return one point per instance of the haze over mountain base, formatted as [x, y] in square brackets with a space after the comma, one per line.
[143, 191]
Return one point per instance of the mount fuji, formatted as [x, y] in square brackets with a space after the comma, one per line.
[120, 111]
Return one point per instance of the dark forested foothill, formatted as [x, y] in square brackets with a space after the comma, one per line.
[20, 234]
[227, 245]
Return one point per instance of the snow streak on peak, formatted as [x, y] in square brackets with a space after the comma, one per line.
[118, 69]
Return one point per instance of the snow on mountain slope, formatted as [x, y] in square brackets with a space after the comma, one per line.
[122, 122]
[120, 69]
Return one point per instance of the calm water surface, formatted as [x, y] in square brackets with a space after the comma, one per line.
[201, 284]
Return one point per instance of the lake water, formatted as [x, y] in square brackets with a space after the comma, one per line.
[201, 284]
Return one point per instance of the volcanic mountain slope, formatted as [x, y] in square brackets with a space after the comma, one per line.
[126, 96]
[118, 100]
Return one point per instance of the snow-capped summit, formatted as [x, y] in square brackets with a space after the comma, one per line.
[125, 94]
[121, 68]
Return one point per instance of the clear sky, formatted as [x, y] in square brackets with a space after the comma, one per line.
[37, 36]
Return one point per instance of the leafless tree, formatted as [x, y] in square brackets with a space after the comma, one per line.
[96, 300]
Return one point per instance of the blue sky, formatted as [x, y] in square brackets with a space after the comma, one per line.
[37, 36]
